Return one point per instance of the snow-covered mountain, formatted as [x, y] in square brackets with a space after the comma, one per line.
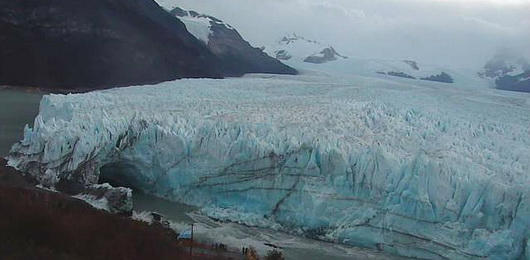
[298, 48]
[425, 171]
[302, 53]
[508, 71]
[237, 55]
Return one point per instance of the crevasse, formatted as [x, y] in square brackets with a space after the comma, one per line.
[420, 171]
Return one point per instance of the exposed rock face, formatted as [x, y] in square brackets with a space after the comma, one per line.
[400, 74]
[294, 38]
[282, 55]
[99, 43]
[508, 71]
[442, 77]
[237, 55]
[504, 64]
[326, 55]
[520, 82]
[117, 200]
[412, 64]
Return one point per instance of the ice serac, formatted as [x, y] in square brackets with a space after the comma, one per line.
[424, 172]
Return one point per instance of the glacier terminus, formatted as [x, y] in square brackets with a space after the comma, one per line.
[417, 169]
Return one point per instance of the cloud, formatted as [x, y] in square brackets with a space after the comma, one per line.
[453, 32]
[335, 9]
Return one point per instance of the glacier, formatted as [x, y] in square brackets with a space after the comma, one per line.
[419, 169]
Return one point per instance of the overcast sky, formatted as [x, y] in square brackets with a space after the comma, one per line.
[447, 32]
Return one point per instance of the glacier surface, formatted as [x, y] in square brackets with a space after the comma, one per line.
[424, 170]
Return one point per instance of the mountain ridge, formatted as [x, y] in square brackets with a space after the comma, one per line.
[224, 41]
[75, 44]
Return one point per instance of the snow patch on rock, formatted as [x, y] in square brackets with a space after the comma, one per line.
[198, 26]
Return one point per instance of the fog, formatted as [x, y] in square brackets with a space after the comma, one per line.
[456, 33]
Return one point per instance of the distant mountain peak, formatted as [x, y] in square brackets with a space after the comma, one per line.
[297, 47]
[292, 38]
[412, 64]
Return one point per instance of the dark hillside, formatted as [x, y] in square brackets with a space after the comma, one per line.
[70, 44]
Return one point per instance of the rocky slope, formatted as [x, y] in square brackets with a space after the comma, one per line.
[39, 224]
[237, 55]
[93, 44]
[75, 44]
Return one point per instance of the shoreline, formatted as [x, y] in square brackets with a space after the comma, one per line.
[68, 227]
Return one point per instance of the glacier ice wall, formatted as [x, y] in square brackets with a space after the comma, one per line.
[422, 171]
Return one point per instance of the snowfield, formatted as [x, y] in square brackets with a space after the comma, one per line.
[414, 168]
[199, 27]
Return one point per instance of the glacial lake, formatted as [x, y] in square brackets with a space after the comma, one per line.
[17, 108]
